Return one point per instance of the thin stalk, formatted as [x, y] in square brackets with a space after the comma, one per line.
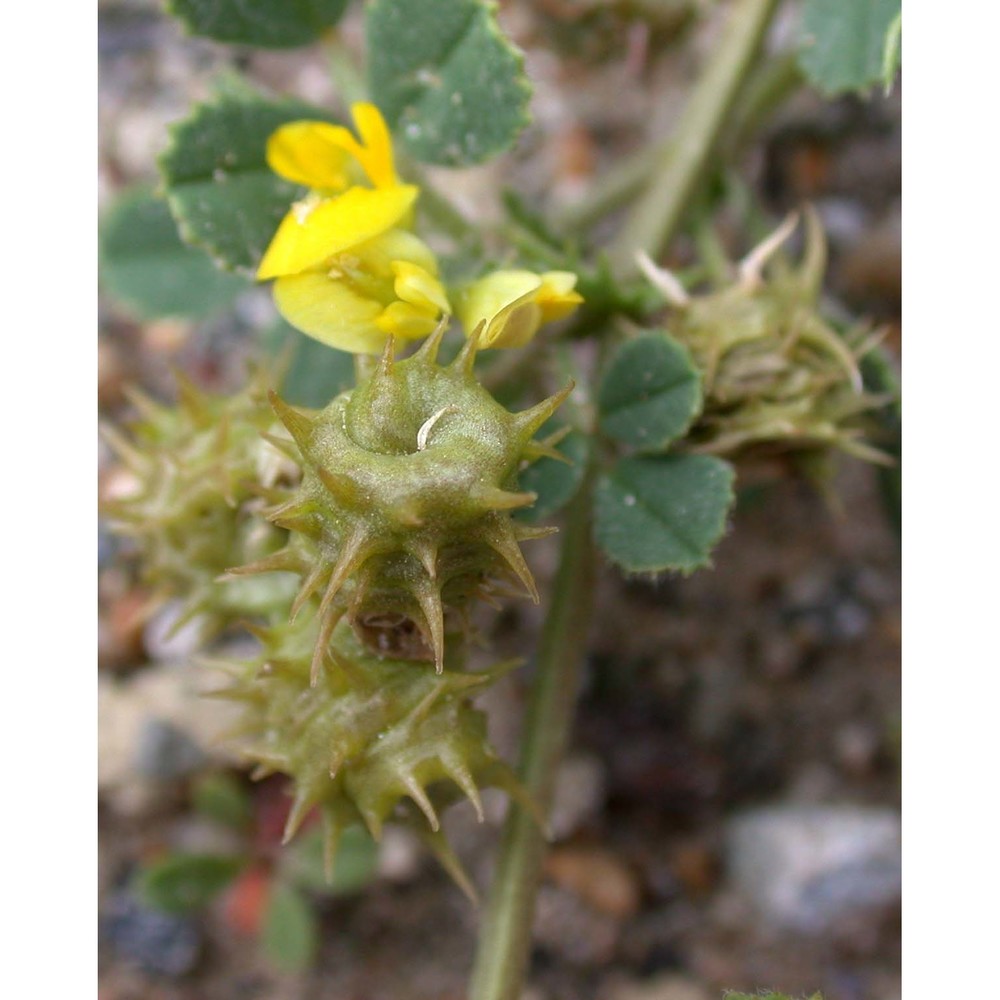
[505, 934]
[655, 215]
[611, 190]
[768, 87]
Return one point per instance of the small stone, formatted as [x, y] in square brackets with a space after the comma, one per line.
[809, 868]
[597, 877]
[856, 746]
[577, 934]
[161, 943]
[165, 644]
[579, 794]
[665, 987]
[399, 855]
[695, 867]
[165, 753]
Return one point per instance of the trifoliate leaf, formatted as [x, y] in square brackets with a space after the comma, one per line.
[148, 268]
[263, 23]
[223, 195]
[650, 392]
[446, 79]
[665, 512]
[844, 42]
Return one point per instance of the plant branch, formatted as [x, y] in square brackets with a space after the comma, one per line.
[655, 216]
[505, 934]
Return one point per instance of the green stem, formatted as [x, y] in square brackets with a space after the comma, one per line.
[655, 216]
[505, 934]
[612, 190]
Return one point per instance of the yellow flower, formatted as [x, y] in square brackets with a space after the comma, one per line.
[514, 304]
[386, 285]
[348, 273]
[319, 155]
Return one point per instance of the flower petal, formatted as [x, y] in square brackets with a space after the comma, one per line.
[406, 321]
[494, 300]
[309, 235]
[416, 285]
[309, 153]
[557, 297]
[381, 251]
[376, 156]
[329, 311]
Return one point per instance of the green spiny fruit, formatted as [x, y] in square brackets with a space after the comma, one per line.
[777, 377]
[368, 739]
[404, 509]
[202, 472]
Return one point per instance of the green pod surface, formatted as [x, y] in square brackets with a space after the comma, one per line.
[372, 739]
[201, 473]
[777, 378]
[403, 514]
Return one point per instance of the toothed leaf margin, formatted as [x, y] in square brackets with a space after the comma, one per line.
[446, 79]
[222, 193]
[663, 513]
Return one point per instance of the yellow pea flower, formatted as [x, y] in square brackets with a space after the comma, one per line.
[348, 273]
[337, 213]
[318, 154]
[384, 286]
[514, 304]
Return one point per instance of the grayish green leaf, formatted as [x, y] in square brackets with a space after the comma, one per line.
[150, 271]
[650, 392]
[222, 192]
[223, 798]
[665, 512]
[844, 42]
[316, 373]
[555, 482]
[181, 883]
[445, 77]
[259, 22]
[353, 867]
[290, 934]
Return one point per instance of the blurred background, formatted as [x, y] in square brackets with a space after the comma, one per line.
[728, 815]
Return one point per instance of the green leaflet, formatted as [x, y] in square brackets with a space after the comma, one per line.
[664, 512]
[222, 797]
[353, 867]
[182, 883]
[264, 23]
[290, 934]
[446, 79]
[844, 42]
[150, 271]
[555, 482]
[316, 372]
[222, 192]
[650, 393]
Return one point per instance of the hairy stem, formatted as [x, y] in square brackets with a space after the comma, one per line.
[655, 216]
[505, 934]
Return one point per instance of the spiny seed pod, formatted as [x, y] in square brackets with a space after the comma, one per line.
[404, 508]
[201, 470]
[777, 376]
[369, 734]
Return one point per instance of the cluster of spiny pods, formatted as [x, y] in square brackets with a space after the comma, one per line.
[355, 540]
